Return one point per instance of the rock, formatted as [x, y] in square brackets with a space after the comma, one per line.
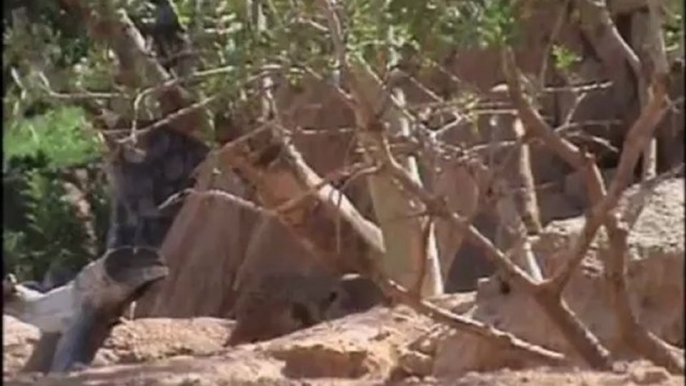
[416, 363]
[649, 375]
[18, 339]
[362, 345]
[538, 377]
[557, 206]
[144, 340]
[655, 280]
[239, 367]
[137, 341]
[364, 349]
[360, 348]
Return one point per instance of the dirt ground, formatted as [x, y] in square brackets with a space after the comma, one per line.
[142, 353]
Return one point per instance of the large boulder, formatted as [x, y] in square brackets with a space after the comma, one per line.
[655, 281]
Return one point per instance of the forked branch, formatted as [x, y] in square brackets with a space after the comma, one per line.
[602, 213]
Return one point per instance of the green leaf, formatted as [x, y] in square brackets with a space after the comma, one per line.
[60, 134]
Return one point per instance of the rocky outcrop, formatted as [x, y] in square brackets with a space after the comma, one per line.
[360, 347]
[655, 281]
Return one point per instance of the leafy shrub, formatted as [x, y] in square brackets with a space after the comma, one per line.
[42, 227]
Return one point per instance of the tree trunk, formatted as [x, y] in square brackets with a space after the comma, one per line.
[408, 254]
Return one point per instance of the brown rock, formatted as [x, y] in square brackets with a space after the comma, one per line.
[208, 241]
[648, 375]
[539, 377]
[18, 339]
[656, 287]
[137, 341]
[144, 340]
[557, 206]
[416, 363]
[357, 350]
[363, 345]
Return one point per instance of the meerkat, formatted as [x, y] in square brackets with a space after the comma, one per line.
[276, 305]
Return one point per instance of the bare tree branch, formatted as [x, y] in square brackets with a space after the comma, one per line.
[601, 213]
[136, 67]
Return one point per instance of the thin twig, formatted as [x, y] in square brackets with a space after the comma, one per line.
[165, 121]
[557, 27]
[243, 203]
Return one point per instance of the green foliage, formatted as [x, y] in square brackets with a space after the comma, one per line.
[41, 226]
[55, 43]
[437, 26]
[59, 134]
[42, 41]
[68, 38]
[564, 57]
[296, 36]
[674, 24]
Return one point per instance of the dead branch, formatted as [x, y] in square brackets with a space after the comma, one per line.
[427, 229]
[550, 297]
[215, 193]
[579, 337]
[603, 204]
[498, 337]
[136, 66]
[658, 57]
[312, 223]
[512, 227]
[166, 121]
[609, 44]
[378, 105]
[639, 134]
[524, 178]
